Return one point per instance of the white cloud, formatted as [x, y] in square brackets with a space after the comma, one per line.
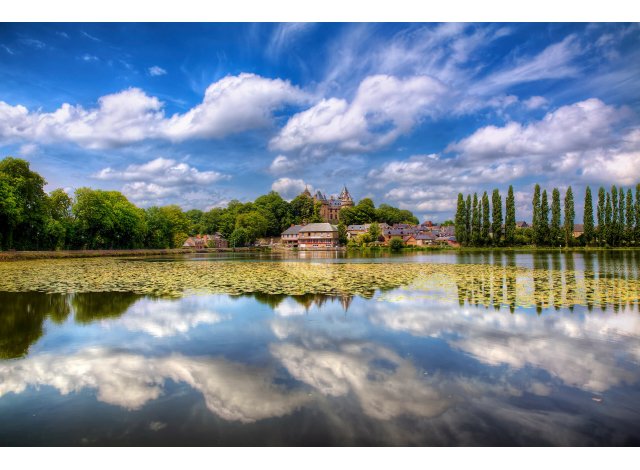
[536, 102]
[156, 71]
[575, 127]
[384, 108]
[281, 164]
[89, 58]
[231, 105]
[288, 187]
[233, 391]
[28, 149]
[162, 171]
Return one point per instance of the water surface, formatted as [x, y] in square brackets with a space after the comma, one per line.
[449, 349]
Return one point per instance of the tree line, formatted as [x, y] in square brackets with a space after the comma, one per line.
[617, 216]
[32, 219]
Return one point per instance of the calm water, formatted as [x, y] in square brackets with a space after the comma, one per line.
[402, 367]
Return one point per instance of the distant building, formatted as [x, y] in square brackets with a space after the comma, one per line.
[330, 207]
[321, 235]
[424, 239]
[355, 230]
[206, 241]
[290, 236]
[578, 230]
[522, 224]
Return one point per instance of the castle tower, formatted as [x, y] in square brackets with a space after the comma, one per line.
[345, 197]
[306, 192]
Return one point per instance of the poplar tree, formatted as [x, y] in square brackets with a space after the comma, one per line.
[543, 219]
[631, 218]
[555, 229]
[637, 227]
[588, 216]
[621, 218]
[461, 220]
[613, 229]
[536, 214]
[496, 216]
[486, 222]
[467, 214]
[510, 217]
[475, 221]
[601, 228]
[607, 220]
[569, 216]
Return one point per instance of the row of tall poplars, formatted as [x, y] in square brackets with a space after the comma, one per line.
[616, 222]
[480, 223]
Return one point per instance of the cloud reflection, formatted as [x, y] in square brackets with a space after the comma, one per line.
[233, 391]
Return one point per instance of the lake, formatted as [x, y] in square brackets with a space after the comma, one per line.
[443, 348]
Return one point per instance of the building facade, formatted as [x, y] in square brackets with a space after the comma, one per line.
[206, 241]
[331, 206]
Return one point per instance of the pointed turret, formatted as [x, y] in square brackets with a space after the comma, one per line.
[345, 197]
[306, 192]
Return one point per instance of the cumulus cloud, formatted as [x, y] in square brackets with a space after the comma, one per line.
[282, 164]
[536, 102]
[231, 105]
[383, 392]
[235, 392]
[288, 187]
[163, 318]
[156, 71]
[383, 108]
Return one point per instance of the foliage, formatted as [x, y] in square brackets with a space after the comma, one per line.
[496, 217]
[510, 219]
[569, 216]
[396, 244]
[374, 232]
[587, 220]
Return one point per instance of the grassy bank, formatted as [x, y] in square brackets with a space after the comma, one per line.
[29, 255]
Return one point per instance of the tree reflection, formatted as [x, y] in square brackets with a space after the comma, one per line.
[93, 306]
[22, 316]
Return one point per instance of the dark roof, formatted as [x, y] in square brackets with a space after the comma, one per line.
[293, 230]
[425, 236]
[319, 227]
[578, 227]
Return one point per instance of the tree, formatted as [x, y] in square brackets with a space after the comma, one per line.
[496, 217]
[543, 221]
[486, 223]
[9, 212]
[637, 227]
[613, 229]
[621, 217]
[607, 220]
[601, 230]
[239, 237]
[342, 233]
[588, 217]
[475, 221]
[26, 204]
[392, 215]
[631, 218]
[59, 223]
[396, 244]
[255, 225]
[569, 216]
[461, 217]
[468, 214]
[555, 230]
[510, 219]
[374, 231]
[536, 214]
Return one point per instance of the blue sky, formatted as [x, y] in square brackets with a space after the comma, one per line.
[408, 114]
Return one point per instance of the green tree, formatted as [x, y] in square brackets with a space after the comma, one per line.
[510, 218]
[276, 210]
[631, 218]
[476, 222]
[469, 215]
[496, 217]
[637, 227]
[543, 219]
[621, 217]
[486, 223]
[536, 214]
[59, 223]
[342, 233]
[374, 231]
[608, 217]
[569, 216]
[555, 230]
[613, 228]
[25, 206]
[254, 224]
[392, 215]
[460, 224]
[396, 244]
[238, 238]
[588, 217]
[601, 230]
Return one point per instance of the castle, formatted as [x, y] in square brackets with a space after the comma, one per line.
[330, 208]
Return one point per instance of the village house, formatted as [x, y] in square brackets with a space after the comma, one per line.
[425, 239]
[206, 241]
[355, 230]
[320, 235]
[290, 236]
[578, 230]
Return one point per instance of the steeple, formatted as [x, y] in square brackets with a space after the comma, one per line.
[345, 197]
[306, 191]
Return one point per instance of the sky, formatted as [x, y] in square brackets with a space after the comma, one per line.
[407, 114]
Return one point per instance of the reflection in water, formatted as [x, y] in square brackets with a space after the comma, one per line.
[437, 360]
[22, 316]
